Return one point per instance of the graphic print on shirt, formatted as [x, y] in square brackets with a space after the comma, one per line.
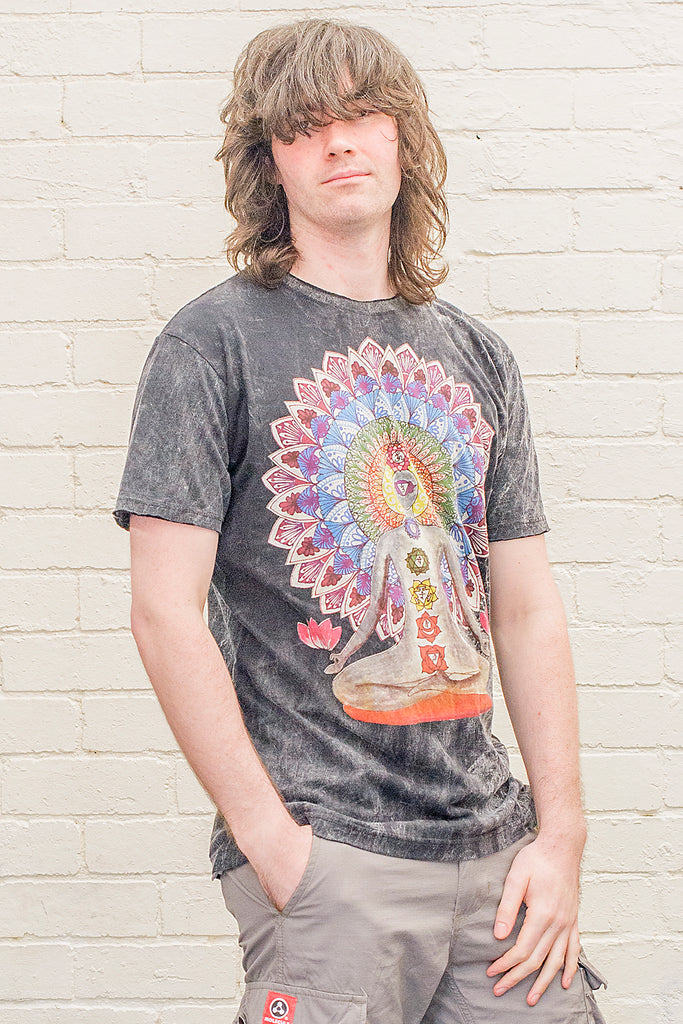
[379, 499]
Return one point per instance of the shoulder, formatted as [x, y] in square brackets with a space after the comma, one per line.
[490, 350]
[209, 323]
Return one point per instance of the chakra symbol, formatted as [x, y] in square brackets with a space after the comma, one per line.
[433, 658]
[423, 594]
[417, 561]
[428, 627]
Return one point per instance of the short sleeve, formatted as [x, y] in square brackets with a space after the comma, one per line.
[514, 506]
[177, 467]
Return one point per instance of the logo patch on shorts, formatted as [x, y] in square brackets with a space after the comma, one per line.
[279, 1008]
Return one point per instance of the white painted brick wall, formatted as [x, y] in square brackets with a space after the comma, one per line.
[563, 124]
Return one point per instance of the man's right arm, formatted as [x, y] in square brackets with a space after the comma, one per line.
[171, 569]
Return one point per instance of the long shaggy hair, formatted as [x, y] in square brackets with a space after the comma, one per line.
[306, 74]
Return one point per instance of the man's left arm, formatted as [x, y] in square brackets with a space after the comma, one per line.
[529, 632]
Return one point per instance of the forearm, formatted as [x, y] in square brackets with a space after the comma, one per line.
[537, 677]
[191, 680]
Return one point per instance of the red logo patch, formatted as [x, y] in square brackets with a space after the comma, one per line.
[279, 1008]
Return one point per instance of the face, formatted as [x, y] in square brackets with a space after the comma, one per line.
[344, 176]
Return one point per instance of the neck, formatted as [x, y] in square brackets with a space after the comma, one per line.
[351, 265]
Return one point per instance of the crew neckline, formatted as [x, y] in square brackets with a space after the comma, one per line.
[341, 301]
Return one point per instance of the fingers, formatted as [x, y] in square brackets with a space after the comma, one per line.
[513, 894]
[571, 961]
[553, 963]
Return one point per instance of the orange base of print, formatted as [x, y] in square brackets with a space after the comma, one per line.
[442, 707]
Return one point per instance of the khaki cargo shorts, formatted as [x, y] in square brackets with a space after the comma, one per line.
[387, 940]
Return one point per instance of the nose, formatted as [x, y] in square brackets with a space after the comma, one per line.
[339, 138]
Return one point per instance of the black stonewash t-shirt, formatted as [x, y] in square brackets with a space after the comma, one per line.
[356, 458]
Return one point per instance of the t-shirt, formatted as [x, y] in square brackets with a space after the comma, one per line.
[356, 459]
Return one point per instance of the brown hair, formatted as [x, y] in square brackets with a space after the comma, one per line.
[307, 73]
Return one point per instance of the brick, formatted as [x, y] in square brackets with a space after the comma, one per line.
[176, 284]
[32, 172]
[630, 597]
[673, 653]
[591, 38]
[194, 907]
[38, 480]
[474, 102]
[673, 410]
[637, 965]
[105, 600]
[154, 971]
[71, 1014]
[568, 281]
[76, 293]
[186, 170]
[30, 724]
[88, 785]
[37, 971]
[112, 356]
[78, 417]
[672, 285]
[98, 475]
[29, 601]
[617, 656]
[672, 533]
[650, 98]
[628, 346]
[595, 532]
[39, 848]
[466, 283]
[30, 233]
[616, 781]
[69, 44]
[649, 844]
[615, 905]
[78, 908]
[146, 230]
[541, 345]
[594, 408]
[72, 663]
[630, 223]
[34, 357]
[157, 107]
[505, 224]
[191, 797]
[673, 773]
[186, 1013]
[61, 542]
[127, 723]
[157, 846]
[635, 470]
[629, 718]
[561, 160]
[211, 44]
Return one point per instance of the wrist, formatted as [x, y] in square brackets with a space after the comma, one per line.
[269, 828]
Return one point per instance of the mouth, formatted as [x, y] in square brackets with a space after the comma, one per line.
[344, 175]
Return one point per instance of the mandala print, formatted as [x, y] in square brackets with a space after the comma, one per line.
[364, 417]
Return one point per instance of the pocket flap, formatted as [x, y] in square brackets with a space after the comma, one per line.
[265, 1003]
[593, 977]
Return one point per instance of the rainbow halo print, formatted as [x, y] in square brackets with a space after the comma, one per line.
[378, 485]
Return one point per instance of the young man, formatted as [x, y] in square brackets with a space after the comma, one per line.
[345, 465]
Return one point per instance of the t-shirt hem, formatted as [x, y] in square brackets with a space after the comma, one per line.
[446, 849]
[161, 510]
[517, 530]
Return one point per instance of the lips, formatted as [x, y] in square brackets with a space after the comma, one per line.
[350, 173]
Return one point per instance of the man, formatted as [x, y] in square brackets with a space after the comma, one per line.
[345, 465]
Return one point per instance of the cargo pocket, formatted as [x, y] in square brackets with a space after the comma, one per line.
[283, 1004]
[591, 980]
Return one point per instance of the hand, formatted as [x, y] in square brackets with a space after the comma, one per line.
[280, 866]
[337, 662]
[545, 877]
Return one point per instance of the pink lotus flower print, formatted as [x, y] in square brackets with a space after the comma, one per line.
[319, 634]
